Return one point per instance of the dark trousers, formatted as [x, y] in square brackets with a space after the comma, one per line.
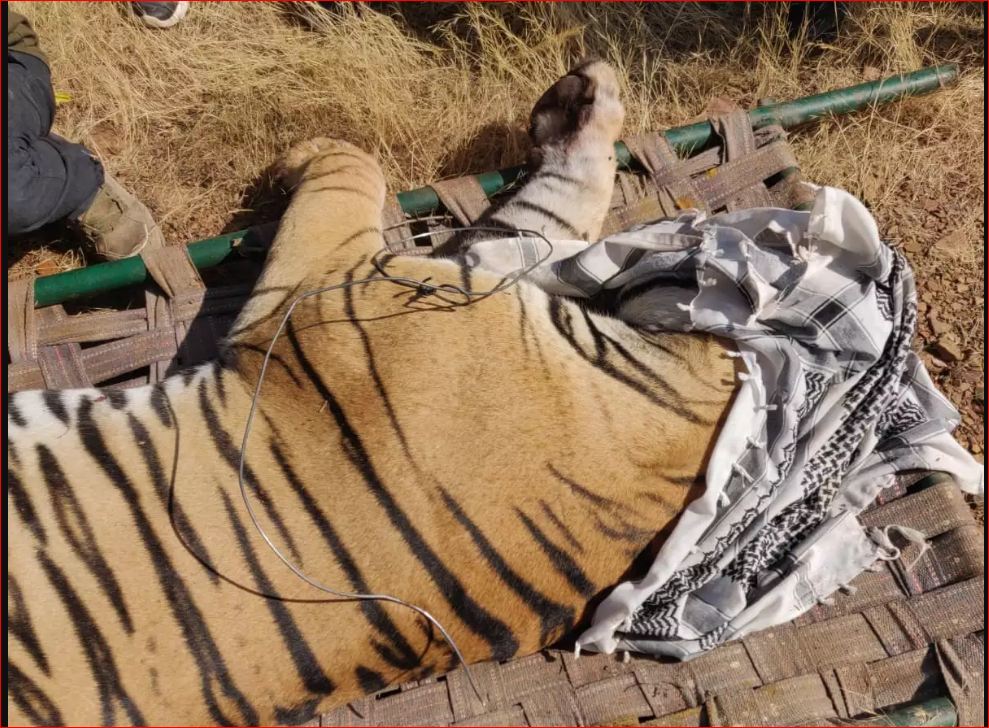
[48, 178]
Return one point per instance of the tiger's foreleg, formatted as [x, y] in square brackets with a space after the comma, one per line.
[334, 219]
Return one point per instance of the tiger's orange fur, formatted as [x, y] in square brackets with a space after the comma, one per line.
[499, 464]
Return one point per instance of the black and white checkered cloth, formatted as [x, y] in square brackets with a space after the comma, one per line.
[834, 403]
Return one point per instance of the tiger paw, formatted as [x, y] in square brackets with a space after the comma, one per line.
[583, 106]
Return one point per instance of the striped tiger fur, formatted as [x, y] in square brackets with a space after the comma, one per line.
[499, 464]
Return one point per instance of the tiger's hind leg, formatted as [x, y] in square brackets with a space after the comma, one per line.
[573, 127]
[333, 220]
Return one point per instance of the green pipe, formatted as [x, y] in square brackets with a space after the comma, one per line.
[60, 287]
[688, 139]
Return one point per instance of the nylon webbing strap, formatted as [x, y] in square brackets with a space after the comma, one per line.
[722, 186]
[182, 290]
[738, 143]
[62, 367]
[463, 198]
[95, 326]
[397, 231]
[22, 339]
[675, 189]
[963, 667]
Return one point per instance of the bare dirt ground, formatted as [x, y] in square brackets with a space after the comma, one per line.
[189, 118]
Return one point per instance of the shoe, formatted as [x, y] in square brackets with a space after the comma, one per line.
[118, 224]
[160, 15]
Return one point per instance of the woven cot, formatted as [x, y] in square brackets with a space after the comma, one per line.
[911, 631]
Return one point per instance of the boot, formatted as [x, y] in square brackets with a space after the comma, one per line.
[160, 14]
[118, 224]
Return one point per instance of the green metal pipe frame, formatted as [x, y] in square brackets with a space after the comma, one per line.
[49, 290]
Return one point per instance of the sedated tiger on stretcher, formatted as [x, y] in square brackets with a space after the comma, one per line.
[499, 464]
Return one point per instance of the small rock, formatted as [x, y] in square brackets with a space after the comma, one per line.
[933, 363]
[955, 244]
[948, 349]
[913, 247]
[939, 327]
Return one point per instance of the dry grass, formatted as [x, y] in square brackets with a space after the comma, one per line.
[189, 118]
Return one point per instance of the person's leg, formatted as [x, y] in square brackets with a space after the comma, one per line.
[160, 14]
[49, 178]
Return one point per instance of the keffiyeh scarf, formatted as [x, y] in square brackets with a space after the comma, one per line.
[832, 404]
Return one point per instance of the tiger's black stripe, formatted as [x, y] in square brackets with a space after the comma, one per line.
[98, 653]
[160, 405]
[231, 455]
[647, 372]
[31, 699]
[564, 565]
[183, 527]
[221, 387]
[363, 231]
[349, 190]
[552, 615]
[563, 323]
[564, 178]
[209, 661]
[598, 500]
[75, 527]
[495, 632]
[524, 326]
[626, 531]
[348, 307]
[117, 398]
[400, 654]
[298, 714]
[19, 625]
[602, 341]
[306, 664]
[560, 525]
[548, 214]
[24, 507]
[14, 412]
[52, 399]
[370, 680]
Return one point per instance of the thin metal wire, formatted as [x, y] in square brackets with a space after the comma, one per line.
[425, 288]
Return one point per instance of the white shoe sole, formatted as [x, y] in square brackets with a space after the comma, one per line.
[180, 10]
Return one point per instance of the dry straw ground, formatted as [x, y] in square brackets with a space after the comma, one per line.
[190, 117]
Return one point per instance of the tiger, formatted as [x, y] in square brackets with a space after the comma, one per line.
[500, 464]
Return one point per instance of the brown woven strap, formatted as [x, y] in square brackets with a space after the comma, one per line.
[396, 229]
[963, 667]
[633, 202]
[62, 367]
[463, 198]
[111, 360]
[722, 187]
[735, 131]
[95, 326]
[675, 188]
[22, 336]
[172, 269]
[181, 292]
